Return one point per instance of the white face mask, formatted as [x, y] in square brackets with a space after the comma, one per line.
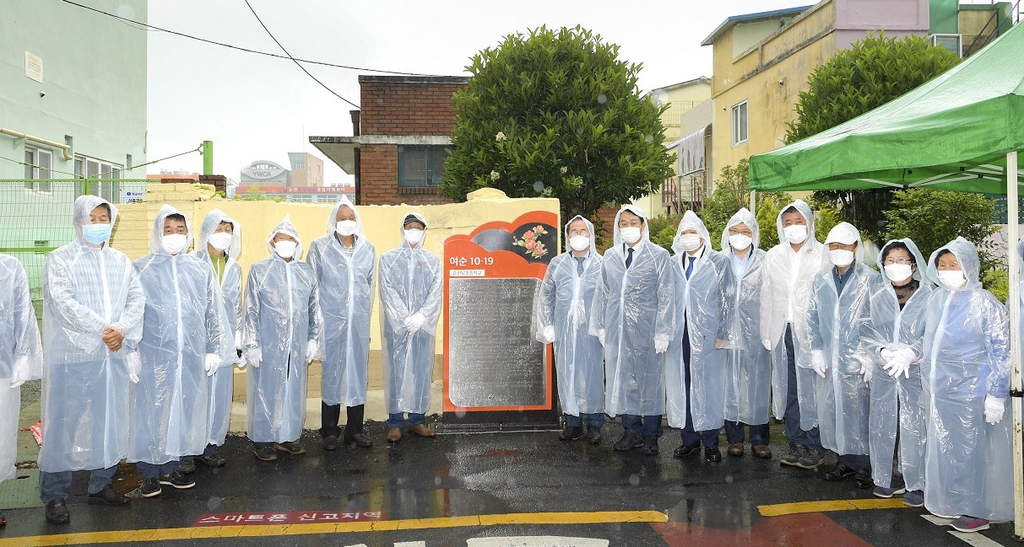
[795, 234]
[898, 272]
[689, 242]
[220, 241]
[630, 235]
[740, 241]
[840, 257]
[951, 279]
[579, 243]
[173, 244]
[413, 236]
[285, 248]
[346, 227]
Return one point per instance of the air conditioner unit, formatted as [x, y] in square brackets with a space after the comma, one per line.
[953, 43]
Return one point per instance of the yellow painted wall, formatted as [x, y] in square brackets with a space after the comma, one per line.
[381, 223]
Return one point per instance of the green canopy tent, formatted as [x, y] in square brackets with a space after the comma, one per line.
[960, 131]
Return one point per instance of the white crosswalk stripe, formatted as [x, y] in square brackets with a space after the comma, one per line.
[537, 541]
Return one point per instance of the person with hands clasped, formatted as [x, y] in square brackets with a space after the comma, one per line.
[93, 306]
[282, 328]
[633, 317]
[966, 372]
[562, 317]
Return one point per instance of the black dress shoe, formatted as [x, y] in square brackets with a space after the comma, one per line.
[57, 512]
[839, 473]
[109, 496]
[212, 460]
[650, 446]
[570, 433]
[686, 450]
[330, 443]
[187, 466]
[594, 435]
[628, 441]
[359, 440]
[862, 479]
[712, 454]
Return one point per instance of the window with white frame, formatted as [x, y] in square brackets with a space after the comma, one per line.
[38, 170]
[739, 123]
[91, 168]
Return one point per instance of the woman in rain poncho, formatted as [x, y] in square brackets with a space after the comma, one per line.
[839, 297]
[966, 372]
[633, 314]
[93, 307]
[343, 263]
[220, 242]
[20, 357]
[748, 366]
[694, 367]
[563, 311]
[282, 323]
[789, 268]
[893, 332]
[410, 299]
[184, 340]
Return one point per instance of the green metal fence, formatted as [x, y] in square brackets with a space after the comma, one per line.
[36, 217]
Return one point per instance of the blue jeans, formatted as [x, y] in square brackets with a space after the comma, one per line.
[734, 433]
[152, 470]
[55, 485]
[644, 426]
[398, 419]
[593, 420]
[795, 435]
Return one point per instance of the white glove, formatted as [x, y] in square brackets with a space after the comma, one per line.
[134, 363]
[600, 337]
[311, 348]
[994, 408]
[254, 356]
[415, 322]
[213, 362]
[241, 362]
[818, 362]
[887, 354]
[238, 340]
[547, 335]
[900, 362]
[867, 370]
[21, 371]
[767, 344]
[660, 344]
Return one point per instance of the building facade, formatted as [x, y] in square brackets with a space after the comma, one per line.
[306, 170]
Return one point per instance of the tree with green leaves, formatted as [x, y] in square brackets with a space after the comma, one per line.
[556, 113]
[872, 72]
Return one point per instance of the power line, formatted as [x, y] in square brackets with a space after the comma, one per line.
[239, 48]
[298, 64]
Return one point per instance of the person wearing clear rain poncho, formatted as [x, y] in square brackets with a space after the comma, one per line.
[839, 298]
[563, 310]
[891, 336]
[785, 290]
[633, 316]
[93, 307]
[343, 261]
[966, 372]
[220, 242]
[410, 299]
[282, 326]
[185, 340]
[20, 357]
[694, 366]
[748, 366]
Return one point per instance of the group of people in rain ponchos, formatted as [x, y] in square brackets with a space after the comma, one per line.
[851, 358]
[136, 356]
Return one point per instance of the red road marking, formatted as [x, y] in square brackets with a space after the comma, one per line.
[808, 529]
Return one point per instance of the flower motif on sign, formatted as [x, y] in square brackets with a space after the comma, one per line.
[534, 247]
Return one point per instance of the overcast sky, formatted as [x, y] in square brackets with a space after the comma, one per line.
[254, 107]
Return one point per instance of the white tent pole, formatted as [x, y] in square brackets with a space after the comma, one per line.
[753, 202]
[1013, 264]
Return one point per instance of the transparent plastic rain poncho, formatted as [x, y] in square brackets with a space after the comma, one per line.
[85, 389]
[410, 283]
[633, 307]
[345, 278]
[833, 327]
[222, 381]
[282, 315]
[564, 303]
[968, 463]
[780, 278]
[19, 342]
[184, 322]
[699, 310]
[748, 366]
[896, 403]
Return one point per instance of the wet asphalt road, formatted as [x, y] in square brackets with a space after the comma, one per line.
[455, 475]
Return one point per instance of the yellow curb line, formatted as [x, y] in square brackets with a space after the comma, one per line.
[826, 506]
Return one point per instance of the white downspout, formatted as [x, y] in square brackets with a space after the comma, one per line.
[52, 144]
